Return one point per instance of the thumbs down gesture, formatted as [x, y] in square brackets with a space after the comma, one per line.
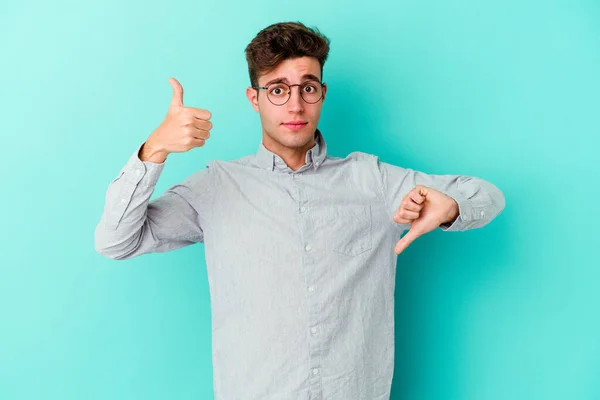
[425, 209]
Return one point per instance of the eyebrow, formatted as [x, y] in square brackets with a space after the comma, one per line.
[284, 80]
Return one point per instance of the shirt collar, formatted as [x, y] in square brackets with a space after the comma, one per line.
[268, 160]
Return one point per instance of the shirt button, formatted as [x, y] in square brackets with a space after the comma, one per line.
[311, 288]
[482, 213]
[307, 247]
[315, 371]
[313, 330]
[302, 209]
[123, 200]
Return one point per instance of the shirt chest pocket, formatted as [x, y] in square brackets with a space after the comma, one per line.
[351, 229]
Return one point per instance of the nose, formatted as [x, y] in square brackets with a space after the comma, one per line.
[295, 103]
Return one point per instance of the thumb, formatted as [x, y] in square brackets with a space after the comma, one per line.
[177, 99]
[403, 243]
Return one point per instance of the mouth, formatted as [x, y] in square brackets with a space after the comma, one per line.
[295, 125]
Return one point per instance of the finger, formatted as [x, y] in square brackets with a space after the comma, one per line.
[405, 241]
[407, 214]
[200, 113]
[418, 196]
[177, 99]
[402, 221]
[197, 142]
[409, 204]
[401, 218]
[201, 133]
[202, 125]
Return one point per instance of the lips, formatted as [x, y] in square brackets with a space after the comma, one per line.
[292, 123]
[295, 125]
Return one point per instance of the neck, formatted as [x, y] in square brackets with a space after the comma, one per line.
[294, 158]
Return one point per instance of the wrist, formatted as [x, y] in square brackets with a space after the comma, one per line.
[454, 212]
[150, 152]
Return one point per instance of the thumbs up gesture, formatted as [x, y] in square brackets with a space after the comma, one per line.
[424, 209]
[182, 129]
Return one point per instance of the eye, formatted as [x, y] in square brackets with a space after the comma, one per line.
[277, 90]
[309, 88]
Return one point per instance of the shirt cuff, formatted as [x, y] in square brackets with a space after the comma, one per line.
[464, 213]
[143, 173]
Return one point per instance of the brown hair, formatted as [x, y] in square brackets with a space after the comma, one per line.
[281, 41]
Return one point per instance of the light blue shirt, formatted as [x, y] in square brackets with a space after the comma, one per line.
[301, 264]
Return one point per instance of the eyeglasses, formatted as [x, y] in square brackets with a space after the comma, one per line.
[279, 93]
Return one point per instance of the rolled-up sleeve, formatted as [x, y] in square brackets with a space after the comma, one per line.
[479, 201]
[132, 225]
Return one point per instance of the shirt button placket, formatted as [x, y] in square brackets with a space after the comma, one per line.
[314, 344]
[315, 367]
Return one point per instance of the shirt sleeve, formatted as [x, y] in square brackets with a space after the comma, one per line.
[479, 201]
[132, 225]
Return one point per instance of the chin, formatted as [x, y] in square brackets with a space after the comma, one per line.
[302, 135]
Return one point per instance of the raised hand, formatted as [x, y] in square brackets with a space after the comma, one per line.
[183, 129]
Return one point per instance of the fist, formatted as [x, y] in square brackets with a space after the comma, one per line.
[182, 129]
[424, 209]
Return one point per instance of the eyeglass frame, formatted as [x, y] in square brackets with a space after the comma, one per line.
[290, 92]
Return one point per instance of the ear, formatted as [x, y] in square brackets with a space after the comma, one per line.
[324, 91]
[252, 95]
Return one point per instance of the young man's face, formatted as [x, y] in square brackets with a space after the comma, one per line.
[278, 137]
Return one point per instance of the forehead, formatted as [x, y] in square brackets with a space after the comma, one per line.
[293, 69]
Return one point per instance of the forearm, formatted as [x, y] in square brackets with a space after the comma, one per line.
[125, 208]
[478, 201]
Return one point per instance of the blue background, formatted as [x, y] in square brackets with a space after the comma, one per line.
[507, 91]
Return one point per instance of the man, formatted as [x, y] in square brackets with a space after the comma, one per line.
[301, 246]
